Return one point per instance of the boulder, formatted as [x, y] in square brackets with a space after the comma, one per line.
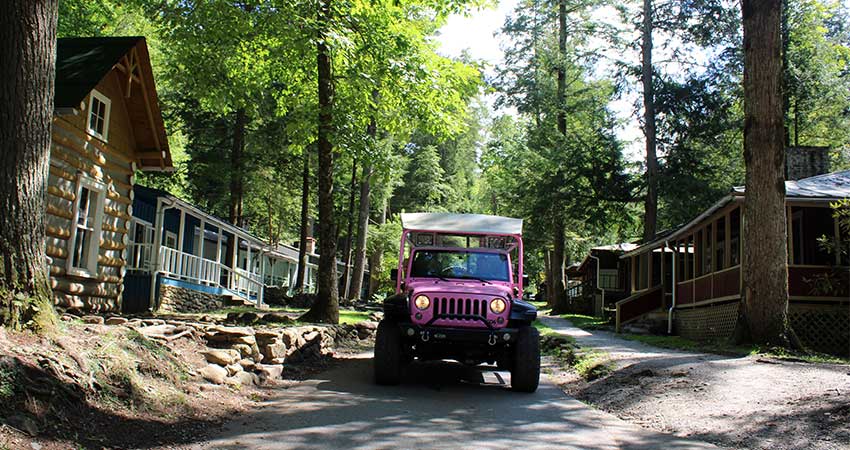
[269, 371]
[247, 378]
[95, 320]
[266, 337]
[277, 318]
[273, 350]
[115, 320]
[243, 318]
[233, 369]
[292, 338]
[214, 373]
[367, 325]
[222, 357]
[247, 364]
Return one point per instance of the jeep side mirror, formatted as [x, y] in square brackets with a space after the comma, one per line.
[394, 275]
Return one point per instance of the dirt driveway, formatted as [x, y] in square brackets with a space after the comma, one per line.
[739, 402]
[440, 405]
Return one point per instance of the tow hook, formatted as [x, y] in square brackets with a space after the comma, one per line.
[426, 335]
[492, 339]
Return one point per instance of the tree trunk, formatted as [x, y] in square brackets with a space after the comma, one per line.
[301, 269]
[764, 310]
[345, 282]
[550, 296]
[650, 205]
[562, 71]
[326, 307]
[376, 258]
[362, 232]
[557, 265]
[27, 72]
[237, 165]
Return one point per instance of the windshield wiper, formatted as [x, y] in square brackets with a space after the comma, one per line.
[474, 278]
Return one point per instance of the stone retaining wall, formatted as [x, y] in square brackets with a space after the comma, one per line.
[183, 300]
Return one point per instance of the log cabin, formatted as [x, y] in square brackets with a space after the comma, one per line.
[693, 275]
[107, 125]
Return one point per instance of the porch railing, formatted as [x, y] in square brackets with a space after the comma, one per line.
[181, 265]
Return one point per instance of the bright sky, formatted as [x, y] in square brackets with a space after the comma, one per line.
[476, 34]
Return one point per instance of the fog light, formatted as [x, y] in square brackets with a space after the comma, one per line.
[422, 302]
[410, 332]
[497, 305]
[507, 336]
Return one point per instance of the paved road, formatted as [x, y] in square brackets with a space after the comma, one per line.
[439, 406]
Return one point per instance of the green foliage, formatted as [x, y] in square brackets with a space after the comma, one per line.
[587, 322]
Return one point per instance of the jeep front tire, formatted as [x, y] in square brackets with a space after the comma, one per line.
[388, 353]
[525, 373]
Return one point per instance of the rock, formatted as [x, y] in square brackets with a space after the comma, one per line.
[247, 378]
[233, 369]
[68, 317]
[246, 351]
[266, 337]
[222, 357]
[94, 320]
[231, 331]
[679, 373]
[269, 371]
[273, 350]
[278, 318]
[292, 338]
[367, 325]
[153, 322]
[244, 318]
[310, 336]
[214, 373]
[115, 320]
[247, 364]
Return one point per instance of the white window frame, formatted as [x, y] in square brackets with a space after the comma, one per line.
[171, 235]
[147, 238]
[607, 274]
[89, 266]
[106, 101]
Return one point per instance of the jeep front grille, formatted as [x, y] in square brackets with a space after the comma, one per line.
[460, 307]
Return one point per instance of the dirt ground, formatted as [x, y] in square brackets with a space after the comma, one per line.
[734, 402]
[96, 386]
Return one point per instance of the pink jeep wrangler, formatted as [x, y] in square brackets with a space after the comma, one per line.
[459, 296]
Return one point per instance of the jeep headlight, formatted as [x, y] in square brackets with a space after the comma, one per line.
[422, 302]
[497, 305]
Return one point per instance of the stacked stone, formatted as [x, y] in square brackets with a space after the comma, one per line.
[177, 299]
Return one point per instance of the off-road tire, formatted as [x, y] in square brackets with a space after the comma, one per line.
[525, 373]
[388, 354]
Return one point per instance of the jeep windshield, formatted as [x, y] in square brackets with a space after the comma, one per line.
[467, 265]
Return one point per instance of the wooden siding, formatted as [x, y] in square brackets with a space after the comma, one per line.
[75, 152]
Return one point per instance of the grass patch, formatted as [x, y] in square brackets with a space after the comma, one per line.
[545, 330]
[724, 347]
[587, 363]
[587, 322]
[350, 317]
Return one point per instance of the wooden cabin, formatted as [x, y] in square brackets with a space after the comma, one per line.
[704, 265]
[200, 260]
[107, 125]
[600, 280]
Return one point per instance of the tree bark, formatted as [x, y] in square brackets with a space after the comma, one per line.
[556, 262]
[650, 205]
[562, 71]
[557, 265]
[764, 309]
[27, 73]
[237, 166]
[376, 259]
[301, 269]
[345, 282]
[362, 232]
[326, 307]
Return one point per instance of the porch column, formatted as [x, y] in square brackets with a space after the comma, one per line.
[180, 233]
[218, 255]
[234, 251]
[203, 276]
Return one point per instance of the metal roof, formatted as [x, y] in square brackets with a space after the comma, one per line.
[835, 185]
[461, 223]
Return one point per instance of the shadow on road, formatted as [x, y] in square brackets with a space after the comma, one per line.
[439, 405]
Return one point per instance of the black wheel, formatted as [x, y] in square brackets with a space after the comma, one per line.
[388, 354]
[525, 373]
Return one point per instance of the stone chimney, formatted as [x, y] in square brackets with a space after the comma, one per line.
[804, 162]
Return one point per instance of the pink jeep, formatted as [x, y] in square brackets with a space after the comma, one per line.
[458, 296]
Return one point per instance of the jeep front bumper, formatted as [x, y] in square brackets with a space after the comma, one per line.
[437, 335]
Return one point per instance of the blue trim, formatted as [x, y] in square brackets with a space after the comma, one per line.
[214, 290]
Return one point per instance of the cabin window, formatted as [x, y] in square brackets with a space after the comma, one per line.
[688, 273]
[142, 239]
[643, 267]
[99, 109]
[85, 234]
[720, 251]
[609, 279]
[707, 254]
[735, 237]
[171, 240]
[808, 226]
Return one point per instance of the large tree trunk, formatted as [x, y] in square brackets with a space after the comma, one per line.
[345, 282]
[562, 71]
[326, 307]
[376, 259]
[237, 168]
[27, 72]
[556, 279]
[650, 205]
[764, 311]
[301, 269]
[559, 299]
[362, 231]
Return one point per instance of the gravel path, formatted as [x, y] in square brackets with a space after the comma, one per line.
[739, 402]
[438, 406]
